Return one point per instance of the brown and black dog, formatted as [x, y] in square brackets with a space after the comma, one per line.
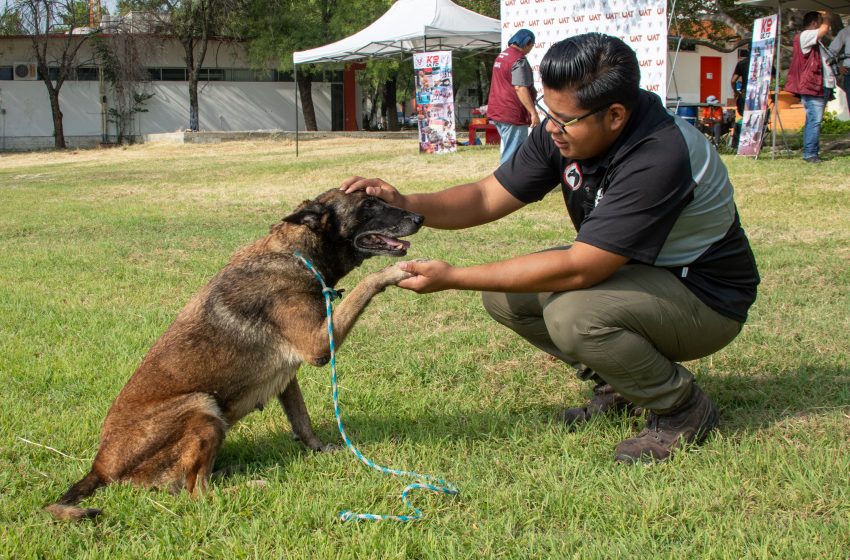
[239, 342]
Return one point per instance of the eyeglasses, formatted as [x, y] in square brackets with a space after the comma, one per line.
[563, 125]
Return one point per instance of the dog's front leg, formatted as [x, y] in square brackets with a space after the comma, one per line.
[353, 304]
[296, 411]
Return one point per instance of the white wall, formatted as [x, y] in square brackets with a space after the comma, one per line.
[28, 109]
[232, 106]
[223, 106]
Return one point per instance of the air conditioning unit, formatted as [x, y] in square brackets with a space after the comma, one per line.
[25, 71]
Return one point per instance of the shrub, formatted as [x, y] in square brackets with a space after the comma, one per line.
[831, 124]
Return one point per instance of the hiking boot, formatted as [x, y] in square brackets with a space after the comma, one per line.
[665, 433]
[605, 401]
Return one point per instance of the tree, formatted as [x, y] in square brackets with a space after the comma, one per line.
[58, 30]
[119, 56]
[193, 23]
[10, 22]
[709, 23]
[489, 8]
[280, 27]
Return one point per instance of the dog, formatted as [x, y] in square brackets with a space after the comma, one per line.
[239, 342]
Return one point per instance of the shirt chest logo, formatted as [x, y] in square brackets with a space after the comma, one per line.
[573, 177]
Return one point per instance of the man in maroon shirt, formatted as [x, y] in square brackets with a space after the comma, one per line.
[511, 102]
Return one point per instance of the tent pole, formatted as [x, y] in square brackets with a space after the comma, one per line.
[295, 66]
[672, 80]
[776, 91]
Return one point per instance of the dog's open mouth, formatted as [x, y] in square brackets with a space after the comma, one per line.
[381, 244]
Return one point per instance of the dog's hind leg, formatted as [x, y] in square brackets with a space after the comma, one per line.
[296, 411]
[200, 445]
[169, 445]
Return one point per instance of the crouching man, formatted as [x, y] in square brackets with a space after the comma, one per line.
[660, 271]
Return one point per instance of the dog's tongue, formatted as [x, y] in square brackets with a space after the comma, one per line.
[394, 243]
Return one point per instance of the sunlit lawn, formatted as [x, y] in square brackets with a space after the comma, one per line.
[100, 249]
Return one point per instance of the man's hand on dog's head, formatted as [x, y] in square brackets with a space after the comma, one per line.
[374, 187]
[428, 276]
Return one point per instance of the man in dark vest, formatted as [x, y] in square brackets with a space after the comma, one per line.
[811, 79]
[511, 102]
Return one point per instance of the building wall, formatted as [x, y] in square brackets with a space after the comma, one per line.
[26, 121]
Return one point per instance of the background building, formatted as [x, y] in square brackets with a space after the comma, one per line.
[232, 97]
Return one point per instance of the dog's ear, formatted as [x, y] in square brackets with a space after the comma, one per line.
[313, 215]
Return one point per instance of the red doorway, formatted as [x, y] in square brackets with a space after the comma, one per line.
[709, 77]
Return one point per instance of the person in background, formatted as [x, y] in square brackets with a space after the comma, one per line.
[739, 86]
[840, 48]
[810, 78]
[711, 120]
[511, 102]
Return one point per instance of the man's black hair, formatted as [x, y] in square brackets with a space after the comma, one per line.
[599, 69]
[810, 18]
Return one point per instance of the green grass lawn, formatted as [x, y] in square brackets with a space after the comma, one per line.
[101, 249]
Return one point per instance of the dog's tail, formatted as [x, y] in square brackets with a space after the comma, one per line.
[66, 508]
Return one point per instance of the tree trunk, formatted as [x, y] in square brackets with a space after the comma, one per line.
[389, 103]
[305, 91]
[479, 75]
[373, 111]
[58, 129]
[194, 124]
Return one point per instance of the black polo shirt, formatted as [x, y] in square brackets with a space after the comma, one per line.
[660, 196]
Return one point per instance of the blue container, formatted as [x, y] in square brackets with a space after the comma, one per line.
[689, 113]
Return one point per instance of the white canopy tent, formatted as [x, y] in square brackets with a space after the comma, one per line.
[837, 6]
[412, 26]
[409, 26]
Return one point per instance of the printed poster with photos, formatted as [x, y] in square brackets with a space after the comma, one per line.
[435, 106]
[758, 86]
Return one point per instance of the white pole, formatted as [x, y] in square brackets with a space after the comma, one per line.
[295, 66]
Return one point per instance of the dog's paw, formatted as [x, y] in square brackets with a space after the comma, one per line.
[393, 274]
[327, 448]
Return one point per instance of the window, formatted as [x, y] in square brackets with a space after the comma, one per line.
[211, 74]
[6, 73]
[224, 75]
[87, 74]
[174, 74]
[283, 76]
[244, 75]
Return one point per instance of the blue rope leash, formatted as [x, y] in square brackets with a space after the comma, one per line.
[425, 481]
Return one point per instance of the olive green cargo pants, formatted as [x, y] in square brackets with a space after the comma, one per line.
[631, 329]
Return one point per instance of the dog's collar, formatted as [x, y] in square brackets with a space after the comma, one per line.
[326, 290]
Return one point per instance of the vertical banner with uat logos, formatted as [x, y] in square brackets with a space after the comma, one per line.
[642, 24]
[435, 105]
[758, 86]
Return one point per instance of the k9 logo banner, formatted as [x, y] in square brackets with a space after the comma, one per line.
[435, 102]
[758, 86]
